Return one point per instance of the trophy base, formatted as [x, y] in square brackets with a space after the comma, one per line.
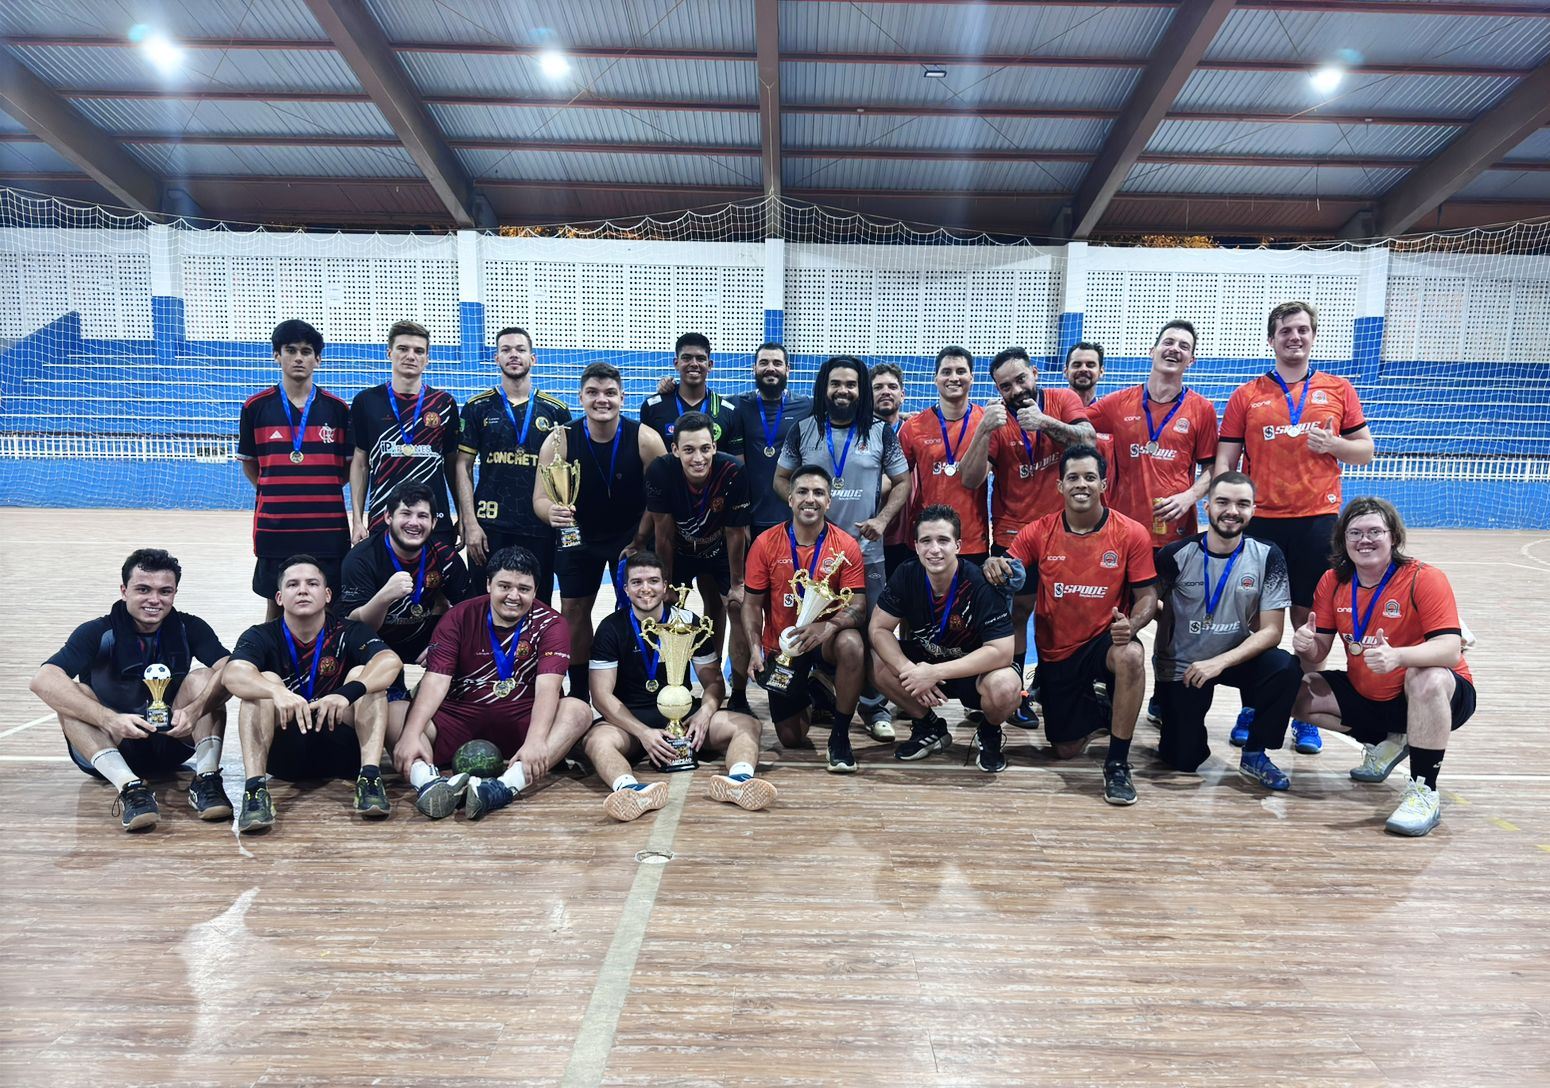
[570, 538]
[687, 759]
[159, 718]
[782, 674]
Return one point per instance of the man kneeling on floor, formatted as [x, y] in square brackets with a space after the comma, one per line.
[627, 671]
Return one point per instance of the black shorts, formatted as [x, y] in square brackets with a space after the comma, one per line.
[296, 756]
[1369, 721]
[784, 705]
[540, 544]
[963, 688]
[266, 574]
[580, 570]
[687, 569]
[1306, 544]
[1072, 710]
[149, 757]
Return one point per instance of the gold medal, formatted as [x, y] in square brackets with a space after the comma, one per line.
[1356, 648]
[1151, 448]
[417, 610]
[652, 685]
[769, 451]
[297, 457]
[505, 688]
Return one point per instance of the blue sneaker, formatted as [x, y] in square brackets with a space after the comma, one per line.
[489, 795]
[1240, 728]
[1306, 738]
[1257, 765]
[1153, 713]
[1025, 716]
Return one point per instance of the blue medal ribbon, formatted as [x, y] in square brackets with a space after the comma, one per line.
[419, 579]
[1031, 448]
[1178, 402]
[839, 461]
[527, 420]
[505, 663]
[1294, 414]
[947, 607]
[947, 443]
[796, 564]
[317, 658]
[613, 458]
[1213, 597]
[771, 434]
[1359, 623]
[651, 658]
[419, 402]
[298, 428]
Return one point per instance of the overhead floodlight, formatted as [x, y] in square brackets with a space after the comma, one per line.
[553, 64]
[935, 73]
[165, 55]
[1327, 79]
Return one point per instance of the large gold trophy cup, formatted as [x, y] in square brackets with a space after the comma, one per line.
[817, 599]
[676, 640]
[158, 713]
[562, 483]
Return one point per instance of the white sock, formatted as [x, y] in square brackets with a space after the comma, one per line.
[515, 776]
[110, 765]
[420, 773]
[624, 780]
[207, 755]
[740, 768]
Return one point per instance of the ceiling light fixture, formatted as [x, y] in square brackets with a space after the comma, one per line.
[165, 55]
[554, 65]
[935, 73]
[1327, 79]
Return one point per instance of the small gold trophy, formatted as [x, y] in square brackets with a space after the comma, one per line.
[818, 599]
[562, 483]
[676, 640]
[158, 714]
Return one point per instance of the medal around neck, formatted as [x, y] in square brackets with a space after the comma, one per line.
[158, 713]
[817, 599]
[676, 640]
[562, 483]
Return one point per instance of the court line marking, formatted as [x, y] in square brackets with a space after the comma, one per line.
[600, 1023]
[27, 725]
[36, 759]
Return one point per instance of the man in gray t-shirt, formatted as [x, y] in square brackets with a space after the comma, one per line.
[1225, 599]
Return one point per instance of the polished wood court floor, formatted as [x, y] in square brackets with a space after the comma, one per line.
[914, 925]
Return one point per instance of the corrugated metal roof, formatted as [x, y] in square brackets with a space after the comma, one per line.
[1000, 133]
[880, 84]
[97, 68]
[304, 161]
[597, 126]
[1509, 185]
[563, 166]
[893, 175]
[30, 158]
[1318, 37]
[253, 117]
[176, 18]
[1537, 146]
[657, 24]
[519, 77]
[1290, 92]
[1261, 138]
[1300, 181]
[1252, 217]
[972, 30]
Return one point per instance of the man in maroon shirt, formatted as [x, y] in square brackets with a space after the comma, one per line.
[493, 671]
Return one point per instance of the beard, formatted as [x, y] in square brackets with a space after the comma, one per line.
[842, 413]
[1021, 400]
[772, 383]
[1229, 532]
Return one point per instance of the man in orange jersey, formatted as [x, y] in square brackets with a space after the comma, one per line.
[1087, 564]
[1406, 686]
[934, 441]
[1294, 427]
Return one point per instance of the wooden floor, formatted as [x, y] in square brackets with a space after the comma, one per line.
[920, 925]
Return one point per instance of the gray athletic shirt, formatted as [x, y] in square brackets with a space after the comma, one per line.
[1258, 584]
[865, 466]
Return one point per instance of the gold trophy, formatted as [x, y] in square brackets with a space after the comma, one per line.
[562, 483]
[676, 640]
[158, 714]
[818, 599]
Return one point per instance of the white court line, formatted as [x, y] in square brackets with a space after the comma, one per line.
[595, 1039]
[27, 725]
[36, 759]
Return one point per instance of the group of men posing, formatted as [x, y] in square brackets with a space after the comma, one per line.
[1090, 528]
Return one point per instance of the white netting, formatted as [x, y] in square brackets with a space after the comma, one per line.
[130, 346]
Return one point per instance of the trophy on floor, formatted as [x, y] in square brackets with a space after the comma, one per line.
[817, 599]
[676, 640]
[158, 714]
[562, 483]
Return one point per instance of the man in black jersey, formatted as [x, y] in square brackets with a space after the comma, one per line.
[691, 358]
[940, 632]
[398, 581]
[313, 693]
[505, 428]
[403, 431]
[610, 509]
[96, 684]
[626, 674]
[699, 501]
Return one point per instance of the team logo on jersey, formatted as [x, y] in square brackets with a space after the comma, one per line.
[1109, 560]
[432, 579]
[1320, 397]
[1331, 498]
[328, 666]
[542, 423]
[432, 419]
[955, 623]
[1247, 582]
[1391, 609]
[715, 431]
[1182, 426]
[524, 648]
[325, 433]
[718, 504]
[790, 600]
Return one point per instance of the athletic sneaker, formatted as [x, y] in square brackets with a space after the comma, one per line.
[1117, 787]
[738, 704]
[842, 759]
[1240, 728]
[207, 796]
[1257, 765]
[1380, 759]
[1025, 716]
[257, 810]
[990, 758]
[879, 724]
[1306, 738]
[742, 790]
[1153, 713]
[926, 736]
[136, 807]
[1420, 810]
[371, 799]
[437, 799]
[486, 795]
[632, 802]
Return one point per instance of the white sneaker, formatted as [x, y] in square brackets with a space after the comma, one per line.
[1381, 759]
[1420, 810]
[880, 725]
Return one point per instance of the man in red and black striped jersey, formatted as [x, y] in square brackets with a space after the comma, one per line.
[404, 431]
[293, 442]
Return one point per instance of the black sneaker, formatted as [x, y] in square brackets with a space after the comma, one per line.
[136, 807]
[738, 704]
[488, 796]
[990, 758]
[371, 799]
[926, 736]
[1117, 787]
[842, 760]
[1025, 716]
[207, 796]
[257, 810]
